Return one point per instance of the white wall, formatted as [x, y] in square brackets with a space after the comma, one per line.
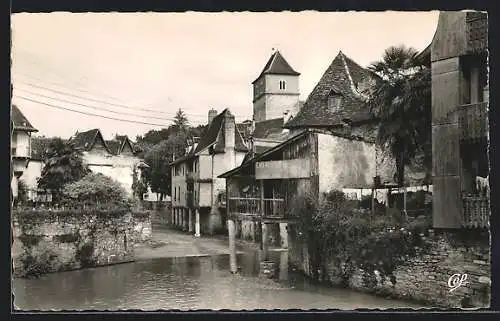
[119, 168]
[344, 163]
[32, 173]
[21, 141]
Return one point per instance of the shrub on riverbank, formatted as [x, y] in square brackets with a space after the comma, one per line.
[335, 230]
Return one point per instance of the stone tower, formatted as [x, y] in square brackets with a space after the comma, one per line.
[276, 90]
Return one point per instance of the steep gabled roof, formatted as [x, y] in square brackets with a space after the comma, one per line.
[86, 140]
[19, 121]
[277, 65]
[213, 134]
[344, 77]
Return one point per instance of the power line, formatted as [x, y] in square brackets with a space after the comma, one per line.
[63, 86]
[88, 114]
[94, 107]
[109, 103]
[53, 72]
[91, 99]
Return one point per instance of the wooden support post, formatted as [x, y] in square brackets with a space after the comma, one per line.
[190, 220]
[232, 245]
[265, 242]
[197, 223]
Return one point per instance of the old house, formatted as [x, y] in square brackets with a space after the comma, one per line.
[198, 194]
[330, 146]
[20, 146]
[114, 158]
[459, 62]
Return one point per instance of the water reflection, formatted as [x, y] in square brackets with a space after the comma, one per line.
[186, 283]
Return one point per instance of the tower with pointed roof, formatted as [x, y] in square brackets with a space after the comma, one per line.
[276, 90]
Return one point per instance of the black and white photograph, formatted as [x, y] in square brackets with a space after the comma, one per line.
[250, 160]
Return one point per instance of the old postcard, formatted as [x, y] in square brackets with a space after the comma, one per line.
[273, 160]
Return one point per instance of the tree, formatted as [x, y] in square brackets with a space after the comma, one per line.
[158, 157]
[402, 102]
[181, 122]
[139, 184]
[95, 189]
[63, 165]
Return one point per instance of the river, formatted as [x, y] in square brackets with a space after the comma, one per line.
[187, 283]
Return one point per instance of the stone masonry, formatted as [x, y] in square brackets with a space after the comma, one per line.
[61, 241]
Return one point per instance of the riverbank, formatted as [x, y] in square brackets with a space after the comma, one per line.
[167, 243]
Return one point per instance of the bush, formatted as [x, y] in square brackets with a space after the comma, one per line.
[95, 190]
[335, 229]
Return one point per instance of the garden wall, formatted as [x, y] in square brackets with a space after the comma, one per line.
[425, 276]
[50, 241]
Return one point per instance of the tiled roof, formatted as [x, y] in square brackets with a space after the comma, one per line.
[213, 134]
[19, 121]
[86, 140]
[277, 65]
[346, 78]
[268, 128]
[114, 146]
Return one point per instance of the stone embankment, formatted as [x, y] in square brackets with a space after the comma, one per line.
[50, 241]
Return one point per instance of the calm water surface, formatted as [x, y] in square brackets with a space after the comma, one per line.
[186, 283]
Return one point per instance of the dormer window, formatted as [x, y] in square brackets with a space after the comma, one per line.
[282, 85]
[334, 101]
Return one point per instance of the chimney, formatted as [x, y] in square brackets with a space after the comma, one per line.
[211, 115]
[229, 130]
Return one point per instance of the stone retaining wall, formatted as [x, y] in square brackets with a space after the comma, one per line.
[425, 278]
[57, 241]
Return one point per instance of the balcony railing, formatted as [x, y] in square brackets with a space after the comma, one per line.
[267, 207]
[476, 211]
[473, 120]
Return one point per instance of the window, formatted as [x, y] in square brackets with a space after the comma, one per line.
[334, 102]
[175, 193]
[282, 85]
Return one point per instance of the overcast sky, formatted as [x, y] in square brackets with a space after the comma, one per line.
[131, 65]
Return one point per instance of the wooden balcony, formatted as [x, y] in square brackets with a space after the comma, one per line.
[270, 208]
[473, 121]
[476, 212]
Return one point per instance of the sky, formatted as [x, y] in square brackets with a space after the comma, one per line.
[142, 67]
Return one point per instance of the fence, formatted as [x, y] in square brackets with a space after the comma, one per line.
[476, 211]
[273, 207]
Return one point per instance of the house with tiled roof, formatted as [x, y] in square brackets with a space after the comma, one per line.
[197, 192]
[115, 158]
[20, 146]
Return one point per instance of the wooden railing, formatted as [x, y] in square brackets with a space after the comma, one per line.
[473, 120]
[476, 211]
[267, 207]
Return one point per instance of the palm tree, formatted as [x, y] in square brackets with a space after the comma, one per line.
[402, 102]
